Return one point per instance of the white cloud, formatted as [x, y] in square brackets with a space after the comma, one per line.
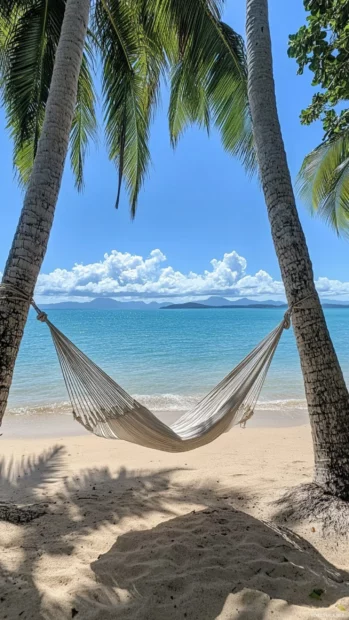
[124, 275]
[328, 287]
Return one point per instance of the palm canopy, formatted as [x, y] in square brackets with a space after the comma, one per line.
[136, 43]
[323, 182]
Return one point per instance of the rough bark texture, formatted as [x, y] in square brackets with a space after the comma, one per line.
[326, 392]
[308, 502]
[32, 234]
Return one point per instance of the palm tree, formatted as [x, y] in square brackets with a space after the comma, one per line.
[323, 182]
[32, 234]
[326, 392]
[208, 82]
[45, 60]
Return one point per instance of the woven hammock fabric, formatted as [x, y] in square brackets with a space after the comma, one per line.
[107, 410]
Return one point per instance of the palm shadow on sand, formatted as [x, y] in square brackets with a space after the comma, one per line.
[81, 505]
[188, 566]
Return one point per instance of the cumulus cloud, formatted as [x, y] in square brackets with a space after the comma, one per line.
[328, 287]
[124, 275]
[131, 276]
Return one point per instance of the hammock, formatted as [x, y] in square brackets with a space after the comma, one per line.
[107, 410]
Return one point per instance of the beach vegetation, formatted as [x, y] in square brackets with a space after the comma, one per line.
[322, 47]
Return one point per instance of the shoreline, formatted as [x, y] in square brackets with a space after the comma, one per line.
[63, 424]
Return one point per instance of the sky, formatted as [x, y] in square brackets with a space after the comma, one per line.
[201, 226]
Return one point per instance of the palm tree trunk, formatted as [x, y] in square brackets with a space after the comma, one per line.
[326, 392]
[33, 231]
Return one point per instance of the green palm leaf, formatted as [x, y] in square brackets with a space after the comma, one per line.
[84, 121]
[209, 78]
[28, 40]
[228, 97]
[138, 43]
[323, 183]
[189, 101]
[31, 49]
[8, 19]
[131, 72]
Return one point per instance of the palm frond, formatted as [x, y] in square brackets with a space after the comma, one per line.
[30, 55]
[9, 7]
[137, 41]
[323, 183]
[8, 22]
[189, 101]
[229, 99]
[84, 120]
[132, 66]
[209, 75]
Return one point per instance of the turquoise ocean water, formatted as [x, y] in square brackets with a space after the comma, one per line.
[167, 359]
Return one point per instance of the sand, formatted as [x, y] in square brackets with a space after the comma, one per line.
[134, 534]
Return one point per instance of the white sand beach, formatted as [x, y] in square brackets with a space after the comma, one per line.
[132, 533]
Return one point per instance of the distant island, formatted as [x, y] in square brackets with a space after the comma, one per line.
[107, 303]
[190, 305]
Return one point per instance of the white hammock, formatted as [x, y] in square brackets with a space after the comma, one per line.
[106, 410]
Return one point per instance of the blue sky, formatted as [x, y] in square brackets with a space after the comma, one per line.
[197, 205]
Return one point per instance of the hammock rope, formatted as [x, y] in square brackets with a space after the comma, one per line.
[104, 408]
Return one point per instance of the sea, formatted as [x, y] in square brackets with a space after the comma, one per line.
[167, 359]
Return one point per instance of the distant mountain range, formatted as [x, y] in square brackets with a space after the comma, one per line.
[103, 303]
[106, 303]
[192, 305]
[334, 302]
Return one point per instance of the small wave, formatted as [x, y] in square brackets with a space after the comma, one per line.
[158, 402]
[63, 408]
[180, 402]
[282, 405]
[168, 402]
